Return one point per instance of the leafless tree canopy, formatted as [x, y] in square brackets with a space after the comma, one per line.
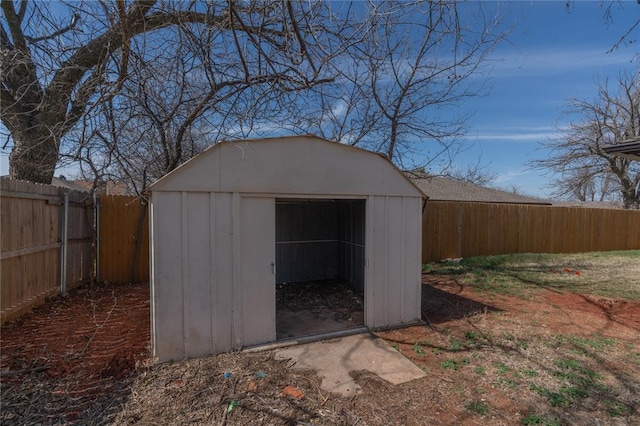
[131, 89]
[586, 172]
[415, 60]
[62, 61]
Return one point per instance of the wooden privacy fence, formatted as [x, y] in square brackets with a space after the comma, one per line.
[46, 243]
[34, 244]
[463, 229]
[123, 239]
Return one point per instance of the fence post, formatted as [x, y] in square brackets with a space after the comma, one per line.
[96, 215]
[63, 247]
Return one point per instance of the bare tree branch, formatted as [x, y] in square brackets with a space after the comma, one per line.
[586, 171]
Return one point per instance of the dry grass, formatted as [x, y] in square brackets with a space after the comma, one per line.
[607, 274]
[507, 343]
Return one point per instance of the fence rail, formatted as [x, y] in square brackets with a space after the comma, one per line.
[32, 244]
[462, 229]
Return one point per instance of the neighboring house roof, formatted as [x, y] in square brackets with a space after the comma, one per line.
[446, 189]
[590, 204]
[72, 185]
[104, 188]
[628, 149]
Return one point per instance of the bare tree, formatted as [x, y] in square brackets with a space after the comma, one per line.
[586, 171]
[60, 62]
[416, 59]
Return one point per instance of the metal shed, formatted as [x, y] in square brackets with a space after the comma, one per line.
[232, 221]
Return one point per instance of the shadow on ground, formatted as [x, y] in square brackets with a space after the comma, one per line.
[440, 306]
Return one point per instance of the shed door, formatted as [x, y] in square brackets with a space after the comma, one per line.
[258, 292]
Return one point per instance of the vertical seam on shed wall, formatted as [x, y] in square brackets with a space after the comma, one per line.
[418, 248]
[185, 274]
[386, 276]
[152, 276]
[403, 242]
[212, 269]
[236, 282]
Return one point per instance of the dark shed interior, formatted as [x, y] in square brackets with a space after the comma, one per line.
[320, 255]
[320, 240]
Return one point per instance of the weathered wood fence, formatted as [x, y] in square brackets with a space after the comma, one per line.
[45, 243]
[462, 229]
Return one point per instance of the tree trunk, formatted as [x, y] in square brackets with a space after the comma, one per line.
[34, 155]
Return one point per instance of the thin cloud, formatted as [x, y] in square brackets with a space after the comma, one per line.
[510, 176]
[547, 62]
[515, 136]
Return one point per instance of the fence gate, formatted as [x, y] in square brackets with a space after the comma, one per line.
[123, 239]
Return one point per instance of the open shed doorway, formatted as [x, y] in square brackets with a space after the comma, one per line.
[320, 260]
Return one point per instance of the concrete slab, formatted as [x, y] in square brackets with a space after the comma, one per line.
[335, 358]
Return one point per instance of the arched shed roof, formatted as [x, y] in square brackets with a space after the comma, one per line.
[296, 165]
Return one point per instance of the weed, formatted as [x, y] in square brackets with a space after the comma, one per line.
[396, 347]
[523, 345]
[556, 399]
[502, 369]
[535, 419]
[452, 364]
[616, 409]
[477, 407]
[510, 383]
[436, 351]
[579, 383]
[456, 345]
[419, 350]
[474, 336]
[479, 370]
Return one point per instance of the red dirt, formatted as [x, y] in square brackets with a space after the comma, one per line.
[95, 336]
[81, 348]
[563, 312]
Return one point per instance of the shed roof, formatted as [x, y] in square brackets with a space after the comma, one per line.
[447, 189]
[303, 165]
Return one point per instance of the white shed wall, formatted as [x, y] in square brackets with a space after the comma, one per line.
[214, 286]
[394, 265]
[192, 274]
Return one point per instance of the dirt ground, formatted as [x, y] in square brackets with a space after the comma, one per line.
[554, 358]
[317, 307]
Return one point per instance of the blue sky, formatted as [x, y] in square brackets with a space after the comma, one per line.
[554, 53]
